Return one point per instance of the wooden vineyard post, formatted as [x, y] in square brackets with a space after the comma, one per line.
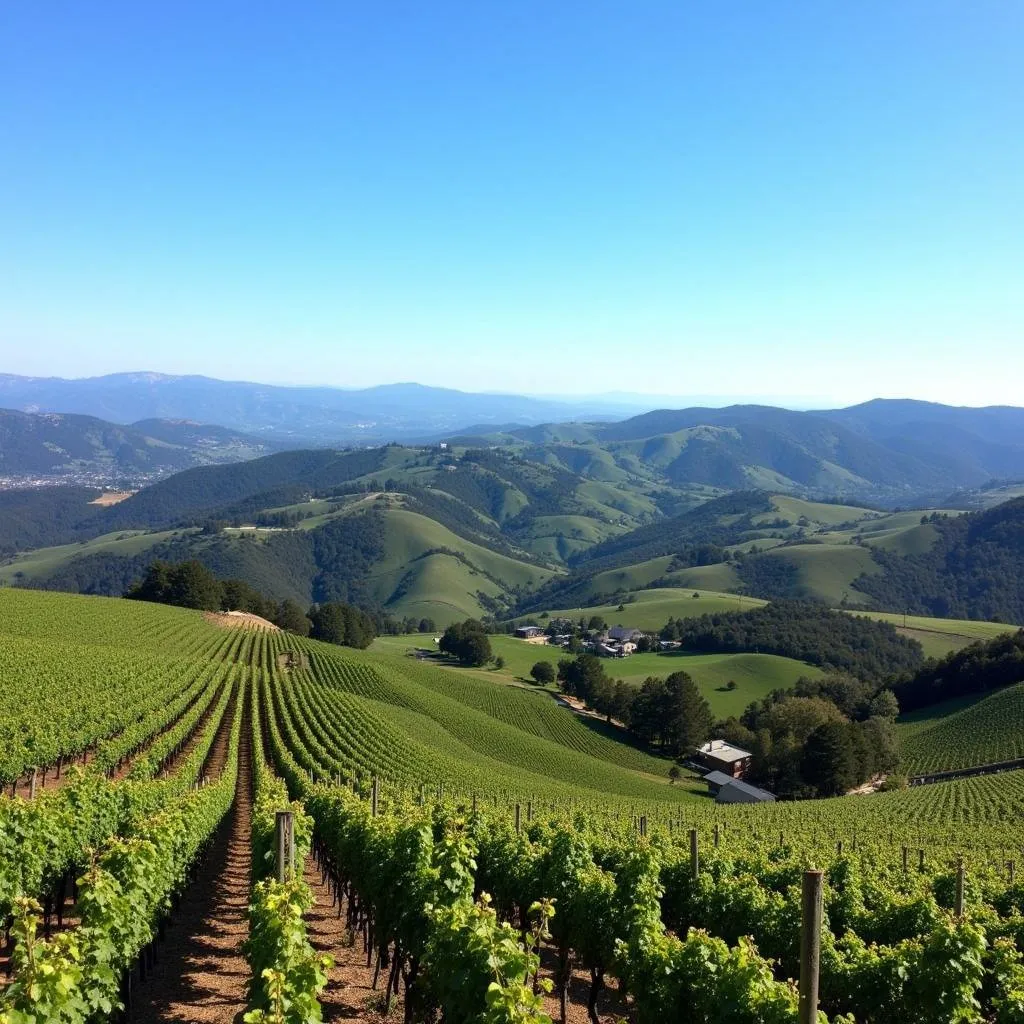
[839, 848]
[374, 796]
[717, 835]
[694, 854]
[920, 860]
[285, 828]
[1010, 870]
[960, 887]
[643, 824]
[529, 810]
[32, 784]
[519, 818]
[906, 855]
[474, 803]
[810, 946]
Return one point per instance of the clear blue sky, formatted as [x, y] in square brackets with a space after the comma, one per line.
[793, 199]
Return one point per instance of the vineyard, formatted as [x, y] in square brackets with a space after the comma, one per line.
[988, 730]
[453, 850]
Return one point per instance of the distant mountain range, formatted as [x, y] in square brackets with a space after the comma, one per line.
[884, 451]
[294, 415]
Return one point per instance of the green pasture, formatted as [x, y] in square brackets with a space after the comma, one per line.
[755, 675]
[939, 637]
[651, 609]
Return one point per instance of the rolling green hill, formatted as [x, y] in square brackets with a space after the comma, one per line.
[755, 675]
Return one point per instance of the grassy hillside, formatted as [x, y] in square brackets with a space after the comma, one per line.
[755, 675]
[965, 732]
[821, 572]
[940, 636]
[427, 571]
[651, 609]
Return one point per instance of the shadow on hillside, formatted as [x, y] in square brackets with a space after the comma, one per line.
[620, 735]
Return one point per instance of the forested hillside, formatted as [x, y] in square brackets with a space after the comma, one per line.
[973, 571]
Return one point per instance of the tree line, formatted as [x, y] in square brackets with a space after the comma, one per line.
[805, 631]
[670, 714]
[983, 666]
[191, 584]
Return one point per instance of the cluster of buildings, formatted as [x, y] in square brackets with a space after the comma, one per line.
[723, 765]
[615, 642]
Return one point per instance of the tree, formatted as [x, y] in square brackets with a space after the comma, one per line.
[187, 585]
[338, 623]
[829, 759]
[597, 623]
[884, 705]
[688, 718]
[673, 774]
[543, 672]
[499, 661]
[291, 618]
[427, 626]
[581, 675]
[467, 643]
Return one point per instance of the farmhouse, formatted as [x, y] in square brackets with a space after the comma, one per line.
[720, 756]
[528, 632]
[623, 634]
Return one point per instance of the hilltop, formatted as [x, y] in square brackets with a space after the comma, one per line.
[448, 531]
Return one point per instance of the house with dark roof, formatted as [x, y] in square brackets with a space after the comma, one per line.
[528, 632]
[624, 634]
[736, 791]
[716, 780]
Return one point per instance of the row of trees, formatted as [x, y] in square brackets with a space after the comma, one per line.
[192, 585]
[979, 668]
[670, 714]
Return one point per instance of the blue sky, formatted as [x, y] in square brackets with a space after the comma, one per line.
[817, 200]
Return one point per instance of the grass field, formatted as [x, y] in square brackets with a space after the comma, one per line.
[826, 572]
[44, 561]
[419, 575]
[755, 675]
[651, 609]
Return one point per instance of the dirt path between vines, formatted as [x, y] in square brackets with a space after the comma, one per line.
[200, 974]
[349, 994]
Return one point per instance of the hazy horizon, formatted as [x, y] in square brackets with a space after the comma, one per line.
[640, 400]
